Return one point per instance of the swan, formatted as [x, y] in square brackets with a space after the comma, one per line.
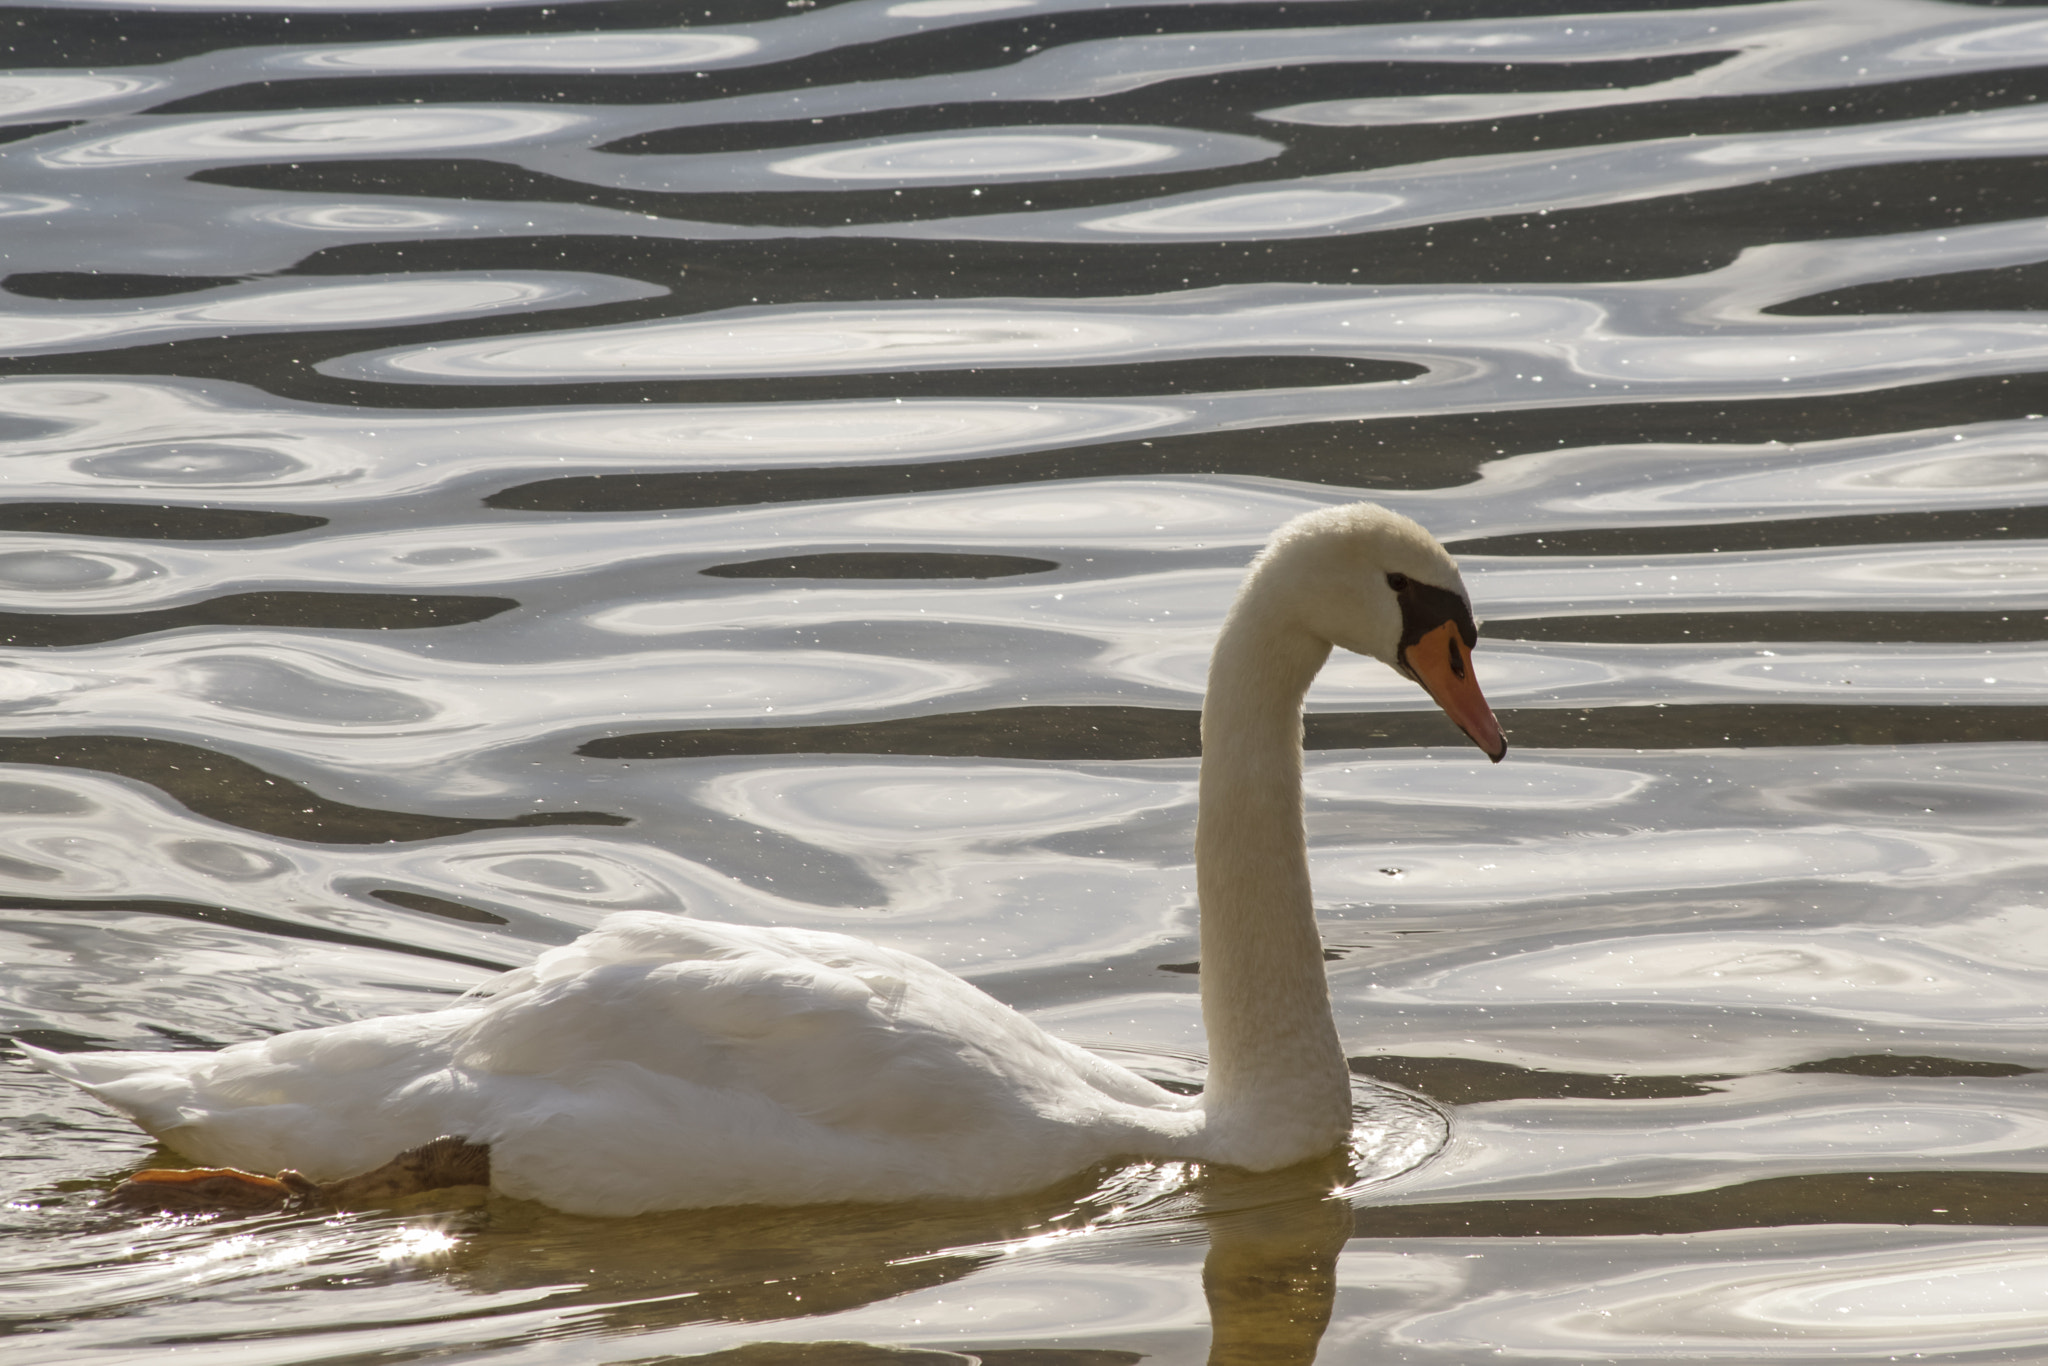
[665, 1062]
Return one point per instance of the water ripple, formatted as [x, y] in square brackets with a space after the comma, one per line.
[341, 132]
[32, 328]
[1524, 182]
[346, 702]
[1855, 973]
[26, 94]
[1922, 1295]
[651, 51]
[109, 433]
[1744, 1129]
[1484, 348]
[996, 154]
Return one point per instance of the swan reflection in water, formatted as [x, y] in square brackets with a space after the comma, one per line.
[1269, 1273]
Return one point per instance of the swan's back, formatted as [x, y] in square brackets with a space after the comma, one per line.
[663, 1062]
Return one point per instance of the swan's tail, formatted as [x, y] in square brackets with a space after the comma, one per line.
[77, 1068]
[153, 1089]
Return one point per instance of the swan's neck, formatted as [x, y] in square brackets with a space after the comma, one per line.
[1278, 1089]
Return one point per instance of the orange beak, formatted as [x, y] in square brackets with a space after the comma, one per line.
[1441, 664]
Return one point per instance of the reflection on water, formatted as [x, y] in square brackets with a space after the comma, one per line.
[1723, 1298]
[507, 1268]
[28, 330]
[471, 470]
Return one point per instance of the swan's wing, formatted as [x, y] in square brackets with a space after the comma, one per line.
[796, 1066]
[830, 1029]
[837, 1028]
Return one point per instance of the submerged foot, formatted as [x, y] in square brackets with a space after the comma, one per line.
[211, 1188]
[445, 1162]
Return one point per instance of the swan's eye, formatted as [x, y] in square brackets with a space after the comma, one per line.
[1457, 660]
[1398, 582]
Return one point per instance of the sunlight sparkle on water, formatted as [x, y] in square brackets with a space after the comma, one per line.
[411, 1244]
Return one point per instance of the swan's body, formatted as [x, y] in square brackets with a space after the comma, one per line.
[663, 1062]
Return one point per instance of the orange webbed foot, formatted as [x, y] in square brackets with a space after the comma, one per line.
[446, 1161]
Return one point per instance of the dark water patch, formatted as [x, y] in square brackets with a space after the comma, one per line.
[1110, 732]
[439, 906]
[884, 564]
[1008, 733]
[241, 794]
[1986, 1199]
[1793, 533]
[1348, 453]
[1773, 627]
[244, 920]
[1853, 202]
[185, 1038]
[1469, 1081]
[1910, 1065]
[101, 37]
[58, 1041]
[21, 132]
[83, 285]
[1042, 732]
[1383, 453]
[1194, 969]
[151, 522]
[2001, 290]
[297, 610]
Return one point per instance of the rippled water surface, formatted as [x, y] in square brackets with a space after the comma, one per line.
[472, 469]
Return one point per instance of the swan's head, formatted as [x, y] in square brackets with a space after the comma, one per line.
[1374, 582]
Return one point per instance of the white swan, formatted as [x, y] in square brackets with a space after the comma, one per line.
[661, 1062]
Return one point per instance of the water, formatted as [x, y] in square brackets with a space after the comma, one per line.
[472, 470]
